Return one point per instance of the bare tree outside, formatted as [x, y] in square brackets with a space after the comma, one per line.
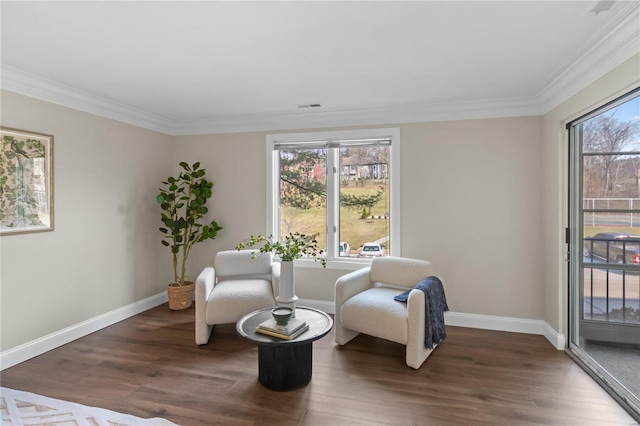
[614, 138]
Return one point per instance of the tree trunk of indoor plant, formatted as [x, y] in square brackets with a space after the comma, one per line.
[180, 296]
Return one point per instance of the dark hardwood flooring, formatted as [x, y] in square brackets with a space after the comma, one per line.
[150, 366]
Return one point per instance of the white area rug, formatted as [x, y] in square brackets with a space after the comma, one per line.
[28, 409]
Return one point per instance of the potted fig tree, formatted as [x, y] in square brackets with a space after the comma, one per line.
[183, 201]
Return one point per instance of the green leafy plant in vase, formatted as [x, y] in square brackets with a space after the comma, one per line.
[293, 246]
[183, 201]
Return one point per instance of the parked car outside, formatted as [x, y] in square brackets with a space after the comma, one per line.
[344, 249]
[613, 247]
[371, 250]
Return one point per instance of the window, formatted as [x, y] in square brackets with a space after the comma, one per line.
[341, 187]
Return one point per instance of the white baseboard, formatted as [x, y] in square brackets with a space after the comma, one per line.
[489, 322]
[323, 305]
[557, 340]
[44, 344]
[486, 322]
[513, 325]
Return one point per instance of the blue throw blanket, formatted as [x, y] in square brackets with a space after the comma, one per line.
[435, 306]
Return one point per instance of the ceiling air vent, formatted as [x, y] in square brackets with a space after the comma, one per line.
[600, 6]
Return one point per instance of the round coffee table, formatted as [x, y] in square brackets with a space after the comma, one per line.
[285, 365]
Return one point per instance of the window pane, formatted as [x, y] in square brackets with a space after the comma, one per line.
[364, 201]
[613, 131]
[337, 187]
[303, 193]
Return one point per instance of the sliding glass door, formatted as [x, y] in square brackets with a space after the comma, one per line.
[604, 319]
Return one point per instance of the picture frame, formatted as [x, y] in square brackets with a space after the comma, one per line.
[26, 182]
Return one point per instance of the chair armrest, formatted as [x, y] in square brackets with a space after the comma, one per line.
[346, 287]
[416, 314]
[204, 286]
[351, 284]
[205, 283]
[275, 278]
[416, 350]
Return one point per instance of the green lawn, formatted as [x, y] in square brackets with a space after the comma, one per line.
[353, 229]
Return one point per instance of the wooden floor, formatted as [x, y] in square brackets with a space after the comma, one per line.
[150, 366]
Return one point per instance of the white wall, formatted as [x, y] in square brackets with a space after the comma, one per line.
[470, 203]
[554, 180]
[104, 251]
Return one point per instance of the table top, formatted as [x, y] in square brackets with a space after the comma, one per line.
[319, 322]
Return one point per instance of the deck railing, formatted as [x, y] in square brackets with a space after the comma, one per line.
[611, 280]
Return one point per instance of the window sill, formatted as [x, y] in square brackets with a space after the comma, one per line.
[344, 265]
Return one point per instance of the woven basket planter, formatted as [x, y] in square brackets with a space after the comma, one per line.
[180, 297]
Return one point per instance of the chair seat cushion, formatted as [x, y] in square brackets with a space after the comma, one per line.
[374, 312]
[230, 300]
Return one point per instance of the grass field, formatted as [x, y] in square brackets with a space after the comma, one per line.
[353, 229]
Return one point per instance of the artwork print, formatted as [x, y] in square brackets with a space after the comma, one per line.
[26, 182]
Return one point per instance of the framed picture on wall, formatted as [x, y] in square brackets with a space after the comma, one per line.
[26, 182]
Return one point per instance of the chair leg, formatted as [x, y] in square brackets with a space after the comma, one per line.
[344, 335]
[417, 354]
[203, 332]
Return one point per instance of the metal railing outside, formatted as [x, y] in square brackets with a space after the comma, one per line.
[620, 260]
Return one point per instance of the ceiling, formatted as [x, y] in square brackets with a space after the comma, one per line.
[215, 67]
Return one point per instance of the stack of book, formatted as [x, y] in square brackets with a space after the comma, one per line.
[293, 329]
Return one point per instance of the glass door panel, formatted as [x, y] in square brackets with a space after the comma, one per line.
[604, 332]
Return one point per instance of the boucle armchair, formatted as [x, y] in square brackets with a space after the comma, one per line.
[364, 303]
[234, 286]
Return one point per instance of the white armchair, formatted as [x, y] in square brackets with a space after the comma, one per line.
[364, 303]
[235, 286]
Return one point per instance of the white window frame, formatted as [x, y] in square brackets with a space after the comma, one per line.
[272, 179]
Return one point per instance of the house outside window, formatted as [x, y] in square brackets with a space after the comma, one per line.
[342, 187]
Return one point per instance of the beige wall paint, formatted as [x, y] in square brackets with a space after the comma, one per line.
[485, 200]
[104, 252]
[555, 182]
[470, 203]
[236, 165]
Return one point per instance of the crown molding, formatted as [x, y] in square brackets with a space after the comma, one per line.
[34, 86]
[25, 83]
[462, 110]
[615, 44]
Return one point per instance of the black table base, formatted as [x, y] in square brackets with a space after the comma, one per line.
[285, 367]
